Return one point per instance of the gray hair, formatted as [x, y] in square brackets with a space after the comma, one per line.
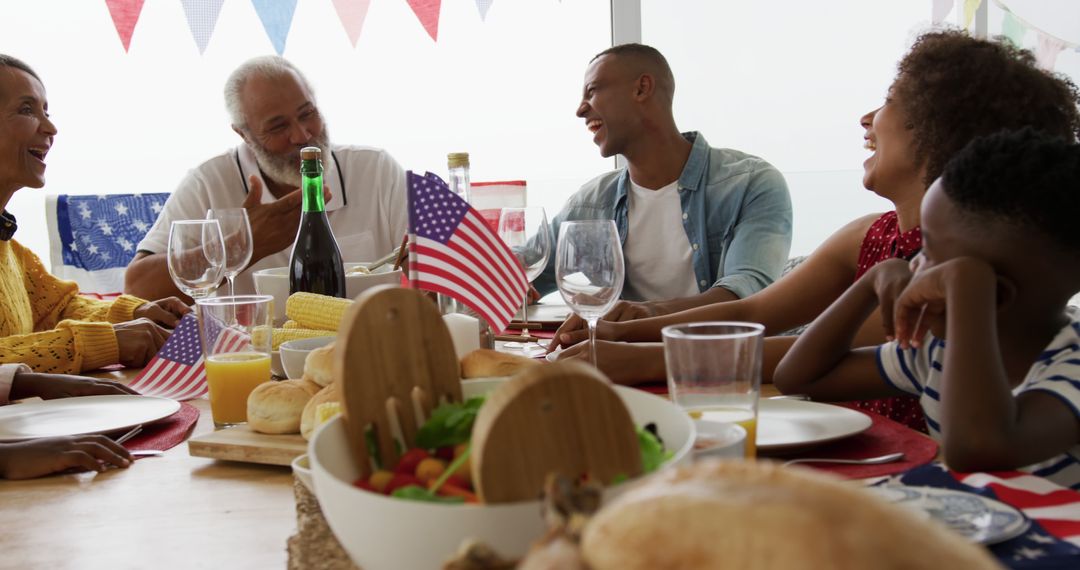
[8, 61]
[265, 66]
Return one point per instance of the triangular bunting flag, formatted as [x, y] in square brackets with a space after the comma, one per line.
[125, 14]
[427, 11]
[483, 6]
[352, 14]
[276, 16]
[940, 10]
[1014, 29]
[1047, 50]
[202, 16]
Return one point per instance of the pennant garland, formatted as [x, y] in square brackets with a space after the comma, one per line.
[970, 7]
[202, 16]
[940, 10]
[352, 14]
[483, 6]
[125, 14]
[427, 11]
[276, 16]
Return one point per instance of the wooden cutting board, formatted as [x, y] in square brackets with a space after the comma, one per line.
[240, 443]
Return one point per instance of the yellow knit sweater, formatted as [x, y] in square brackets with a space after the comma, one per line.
[45, 324]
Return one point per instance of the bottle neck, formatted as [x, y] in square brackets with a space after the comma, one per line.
[312, 185]
[459, 182]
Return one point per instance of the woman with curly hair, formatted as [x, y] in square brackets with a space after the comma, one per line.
[950, 88]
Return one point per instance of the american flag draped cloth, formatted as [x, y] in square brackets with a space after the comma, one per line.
[1052, 540]
[454, 252]
[177, 371]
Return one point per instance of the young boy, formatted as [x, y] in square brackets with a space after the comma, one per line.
[36, 457]
[979, 324]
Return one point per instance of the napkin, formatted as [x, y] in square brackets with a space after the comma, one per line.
[884, 436]
[166, 433]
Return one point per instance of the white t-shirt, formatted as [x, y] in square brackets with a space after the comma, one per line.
[369, 218]
[919, 371]
[659, 261]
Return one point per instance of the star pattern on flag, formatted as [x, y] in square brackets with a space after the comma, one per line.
[100, 232]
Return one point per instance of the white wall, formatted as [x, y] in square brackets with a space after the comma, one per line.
[784, 79]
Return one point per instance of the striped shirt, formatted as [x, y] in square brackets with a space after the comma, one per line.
[918, 371]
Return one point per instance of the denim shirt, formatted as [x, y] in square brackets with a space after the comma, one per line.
[736, 213]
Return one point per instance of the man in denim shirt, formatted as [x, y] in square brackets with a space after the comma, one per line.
[733, 208]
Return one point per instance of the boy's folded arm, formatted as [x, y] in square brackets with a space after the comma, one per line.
[984, 426]
[822, 362]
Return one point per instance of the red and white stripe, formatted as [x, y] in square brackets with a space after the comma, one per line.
[1056, 508]
[475, 267]
[165, 378]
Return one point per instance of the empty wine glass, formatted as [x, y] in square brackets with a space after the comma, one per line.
[236, 231]
[196, 256]
[589, 270]
[525, 231]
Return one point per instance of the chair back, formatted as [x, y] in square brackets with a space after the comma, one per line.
[92, 238]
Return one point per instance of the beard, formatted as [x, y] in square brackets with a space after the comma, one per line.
[285, 169]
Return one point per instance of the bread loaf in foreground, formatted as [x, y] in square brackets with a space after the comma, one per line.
[275, 407]
[735, 514]
[485, 363]
[307, 419]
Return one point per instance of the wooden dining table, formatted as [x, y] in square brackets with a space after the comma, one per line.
[174, 511]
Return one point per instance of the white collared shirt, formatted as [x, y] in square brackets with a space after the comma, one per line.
[369, 218]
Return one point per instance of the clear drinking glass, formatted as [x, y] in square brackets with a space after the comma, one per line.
[236, 336]
[589, 270]
[196, 256]
[236, 231]
[525, 231]
[714, 373]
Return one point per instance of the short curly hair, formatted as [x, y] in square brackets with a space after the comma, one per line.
[1025, 178]
[953, 88]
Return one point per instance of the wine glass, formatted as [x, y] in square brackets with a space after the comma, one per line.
[196, 256]
[589, 270]
[525, 231]
[236, 231]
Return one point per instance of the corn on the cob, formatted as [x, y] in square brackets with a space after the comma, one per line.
[291, 324]
[284, 335]
[313, 311]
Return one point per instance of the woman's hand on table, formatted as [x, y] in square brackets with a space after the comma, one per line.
[624, 363]
[51, 386]
[575, 329]
[165, 312]
[139, 341]
[37, 457]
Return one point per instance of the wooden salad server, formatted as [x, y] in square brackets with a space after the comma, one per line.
[394, 362]
[563, 417]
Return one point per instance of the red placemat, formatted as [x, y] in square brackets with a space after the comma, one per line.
[166, 433]
[884, 436]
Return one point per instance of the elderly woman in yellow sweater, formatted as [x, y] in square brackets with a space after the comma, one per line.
[44, 323]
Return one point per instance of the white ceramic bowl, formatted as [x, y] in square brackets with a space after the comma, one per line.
[382, 532]
[275, 364]
[294, 353]
[719, 439]
[275, 282]
[302, 469]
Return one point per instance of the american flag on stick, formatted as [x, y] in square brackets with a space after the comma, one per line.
[453, 251]
[177, 370]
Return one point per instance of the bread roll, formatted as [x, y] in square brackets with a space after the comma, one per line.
[484, 363]
[734, 514]
[275, 407]
[307, 419]
[319, 365]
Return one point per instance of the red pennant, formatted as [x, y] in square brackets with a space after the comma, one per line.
[427, 11]
[125, 14]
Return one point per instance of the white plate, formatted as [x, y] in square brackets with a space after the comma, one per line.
[85, 414]
[977, 518]
[789, 424]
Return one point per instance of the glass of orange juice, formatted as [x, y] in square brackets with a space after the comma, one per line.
[236, 333]
[714, 373]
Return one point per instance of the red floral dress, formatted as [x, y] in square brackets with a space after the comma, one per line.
[883, 241]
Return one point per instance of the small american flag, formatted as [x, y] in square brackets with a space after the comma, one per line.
[177, 371]
[454, 252]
